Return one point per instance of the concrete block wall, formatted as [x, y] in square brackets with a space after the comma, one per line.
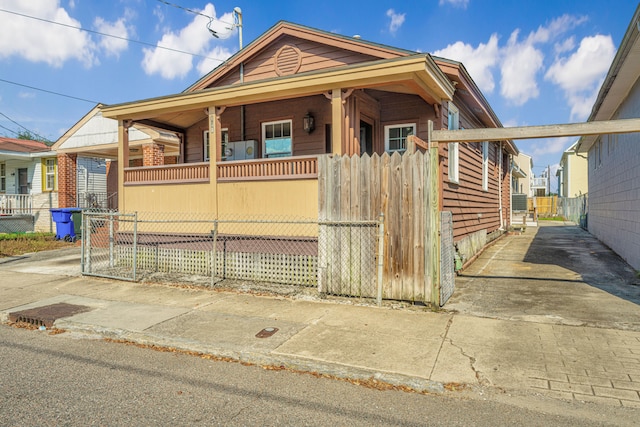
[614, 187]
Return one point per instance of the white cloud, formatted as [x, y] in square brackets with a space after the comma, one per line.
[580, 74]
[565, 46]
[455, 3]
[397, 19]
[552, 145]
[38, 41]
[26, 95]
[520, 65]
[194, 38]
[478, 61]
[217, 55]
[111, 45]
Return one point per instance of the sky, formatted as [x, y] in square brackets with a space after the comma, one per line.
[537, 62]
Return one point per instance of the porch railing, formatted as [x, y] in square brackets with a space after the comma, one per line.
[539, 183]
[16, 204]
[167, 174]
[300, 167]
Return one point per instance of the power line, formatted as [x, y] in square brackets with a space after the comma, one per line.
[18, 124]
[10, 130]
[115, 37]
[195, 12]
[49, 91]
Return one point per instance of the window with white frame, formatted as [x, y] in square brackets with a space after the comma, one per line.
[50, 175]
[276, 139]
[395, 136]
[485, 165]
[453, 124]
[3, 177]
[205, 138]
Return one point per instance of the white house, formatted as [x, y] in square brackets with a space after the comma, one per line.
[614, 160]
[572, 173]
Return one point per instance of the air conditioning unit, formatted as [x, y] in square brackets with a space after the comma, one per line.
[241, 150]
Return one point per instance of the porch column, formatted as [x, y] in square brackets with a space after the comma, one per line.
[337, 121]
[67, 186]
[123, 158]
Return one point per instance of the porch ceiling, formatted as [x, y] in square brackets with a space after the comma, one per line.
[416, 74]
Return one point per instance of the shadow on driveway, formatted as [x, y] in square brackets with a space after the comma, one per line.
[554, 273]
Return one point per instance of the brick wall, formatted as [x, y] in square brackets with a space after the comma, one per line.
[67, 180]
[153, 154]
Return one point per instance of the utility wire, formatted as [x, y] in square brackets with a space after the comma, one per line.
[18, 124]
[10, 130]
[49, 91]
[195, 12]
[115, 37]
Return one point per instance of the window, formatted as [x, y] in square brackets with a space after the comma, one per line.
[454, 124]
[485, 166]
[225, 139]
[49, 174]
[395, 136]
[276, 139]
[3, 177]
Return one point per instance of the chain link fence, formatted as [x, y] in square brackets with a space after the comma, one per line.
[575, 209]
[338, 258]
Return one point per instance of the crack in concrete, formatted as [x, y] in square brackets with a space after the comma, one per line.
[482, 380]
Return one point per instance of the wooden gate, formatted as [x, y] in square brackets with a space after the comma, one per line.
[398, 186]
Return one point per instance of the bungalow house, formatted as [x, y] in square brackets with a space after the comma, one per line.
[572, 173]
[88, 155]
[28, 185]
[253, 134]
[614, 159]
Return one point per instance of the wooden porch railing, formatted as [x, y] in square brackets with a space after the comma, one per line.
[16, 204]
[301, 167]
[167, 174]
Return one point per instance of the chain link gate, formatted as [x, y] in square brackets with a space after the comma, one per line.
[447, 257]
[109, 245]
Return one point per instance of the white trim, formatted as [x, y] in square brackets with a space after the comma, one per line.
[485, 165]
[205, 143]
[264, 135]
[387, 128]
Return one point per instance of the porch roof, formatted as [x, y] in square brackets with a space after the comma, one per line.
[417, 74]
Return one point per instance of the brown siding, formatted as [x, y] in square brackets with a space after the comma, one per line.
[314, 56]
[473, 208]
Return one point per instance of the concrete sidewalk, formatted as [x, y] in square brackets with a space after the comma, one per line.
[411, 347]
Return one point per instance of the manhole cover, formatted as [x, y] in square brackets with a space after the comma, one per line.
[46, 315]
[266, 332]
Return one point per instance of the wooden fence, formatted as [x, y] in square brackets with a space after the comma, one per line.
[401, 188]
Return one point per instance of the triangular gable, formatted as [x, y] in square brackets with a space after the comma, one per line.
[288, 49]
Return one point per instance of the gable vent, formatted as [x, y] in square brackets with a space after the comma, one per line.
[288, 60]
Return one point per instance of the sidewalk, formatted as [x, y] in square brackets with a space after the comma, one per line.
[410, 347]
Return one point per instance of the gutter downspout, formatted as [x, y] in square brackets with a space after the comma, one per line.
[510, 192]
[500, 182]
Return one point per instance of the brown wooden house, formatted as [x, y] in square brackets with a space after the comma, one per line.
[252, 131]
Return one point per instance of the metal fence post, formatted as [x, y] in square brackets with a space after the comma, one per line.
[111, 240]
[214, 234]
[380, 256]
[83, 242]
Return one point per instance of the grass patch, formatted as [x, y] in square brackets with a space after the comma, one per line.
[551, 218]
[13, 244]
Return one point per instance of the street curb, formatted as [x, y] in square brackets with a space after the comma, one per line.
[258, 358]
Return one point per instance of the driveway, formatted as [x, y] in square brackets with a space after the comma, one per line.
[554, 273]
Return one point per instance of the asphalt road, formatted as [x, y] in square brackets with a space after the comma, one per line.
[67, 379]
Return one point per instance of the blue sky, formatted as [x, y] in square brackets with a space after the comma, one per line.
[537, 62]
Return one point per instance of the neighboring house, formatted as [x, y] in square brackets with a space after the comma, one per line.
[614, 160]
[88, 154]
[28, 185]
[522, 174]
[572, 173]
[252, 130]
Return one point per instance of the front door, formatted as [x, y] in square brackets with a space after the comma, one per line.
[366, 138]
[23, 182]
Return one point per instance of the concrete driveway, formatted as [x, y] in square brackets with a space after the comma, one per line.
[554, 273]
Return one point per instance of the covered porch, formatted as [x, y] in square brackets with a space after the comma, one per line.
[267, 136]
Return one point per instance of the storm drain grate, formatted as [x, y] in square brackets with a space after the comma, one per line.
[47, 314]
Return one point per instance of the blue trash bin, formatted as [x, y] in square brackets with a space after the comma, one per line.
[64, 224]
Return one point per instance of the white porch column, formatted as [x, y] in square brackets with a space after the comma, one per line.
[123, 159]
[337, 121]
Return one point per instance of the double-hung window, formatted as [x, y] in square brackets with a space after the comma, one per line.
[454, 124]
[49, 169]
[395, 136]
[276, 139]
[206, 147]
